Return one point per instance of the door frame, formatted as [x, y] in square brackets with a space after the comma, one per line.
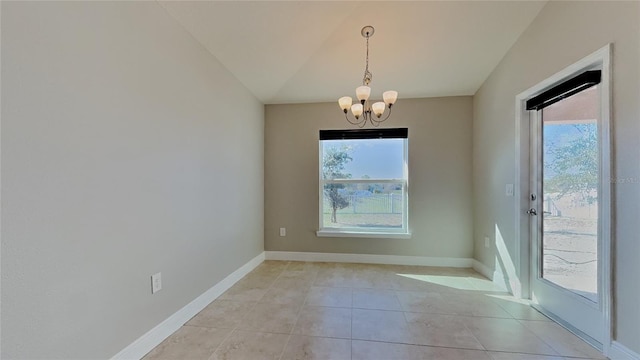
[523, 243]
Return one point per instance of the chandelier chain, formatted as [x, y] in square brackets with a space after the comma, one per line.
[366, 80]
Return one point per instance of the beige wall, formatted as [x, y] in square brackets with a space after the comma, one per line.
[439, 178]
[563, 33]
[126, 150]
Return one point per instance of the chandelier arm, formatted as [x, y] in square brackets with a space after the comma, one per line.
[357, 122]
[386, 117]
[376, 122]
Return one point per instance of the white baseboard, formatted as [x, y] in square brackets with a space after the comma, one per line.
[155, 336]
[482, 269]
[369, 259]
[618, 351]
[495, 276]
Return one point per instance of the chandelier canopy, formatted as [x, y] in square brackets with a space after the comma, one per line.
[364, 111]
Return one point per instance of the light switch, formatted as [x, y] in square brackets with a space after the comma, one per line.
[156, 283]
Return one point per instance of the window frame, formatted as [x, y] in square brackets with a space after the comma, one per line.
[353, 232]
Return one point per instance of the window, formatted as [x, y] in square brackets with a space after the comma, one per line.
[363, 183]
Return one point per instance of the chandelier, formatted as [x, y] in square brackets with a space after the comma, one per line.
[364, 111]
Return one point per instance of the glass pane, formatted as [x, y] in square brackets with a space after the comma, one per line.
[363, 159]
[570, 189]
[364, 188]
[363, 205]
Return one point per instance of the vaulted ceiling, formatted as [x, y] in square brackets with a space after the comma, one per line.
[312, 51]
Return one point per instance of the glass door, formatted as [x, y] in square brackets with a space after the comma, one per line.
[565, 186]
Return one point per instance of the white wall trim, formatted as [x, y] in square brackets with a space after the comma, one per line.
[370, 259]
[494, 275]
[482, 269]
[155, 336]
[618, 351]
[358, 234]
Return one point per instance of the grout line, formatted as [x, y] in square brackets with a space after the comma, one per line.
[540, 338]
[255, 303]
[297, 318]
[437, 346]
[464, 324]
[531, 353]
[351, 332]
[222, 342]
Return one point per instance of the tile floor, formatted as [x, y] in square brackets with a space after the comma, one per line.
[297, 310]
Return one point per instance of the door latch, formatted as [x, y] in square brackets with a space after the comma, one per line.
[532, 212]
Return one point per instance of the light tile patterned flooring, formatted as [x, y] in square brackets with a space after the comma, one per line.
[297, 310]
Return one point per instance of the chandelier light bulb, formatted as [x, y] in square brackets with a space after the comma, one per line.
[357, 109]
[363, 92]
[345, 103]
[378, 108]
[390, 97]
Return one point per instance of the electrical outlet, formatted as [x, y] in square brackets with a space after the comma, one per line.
[156, 283]
[283, 231]
[509, 190]
[486, 242]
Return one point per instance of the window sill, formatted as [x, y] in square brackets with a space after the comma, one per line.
[362, 234]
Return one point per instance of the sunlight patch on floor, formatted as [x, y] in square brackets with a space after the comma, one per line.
[454, 282]
[509, 298]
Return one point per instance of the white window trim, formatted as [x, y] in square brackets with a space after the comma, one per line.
[382, 233]
[363, 234]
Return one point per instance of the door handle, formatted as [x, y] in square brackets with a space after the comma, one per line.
[532, 212]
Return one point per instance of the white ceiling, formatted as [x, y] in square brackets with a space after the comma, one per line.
[312, 51]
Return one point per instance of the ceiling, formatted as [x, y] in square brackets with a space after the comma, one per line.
[312, 51]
